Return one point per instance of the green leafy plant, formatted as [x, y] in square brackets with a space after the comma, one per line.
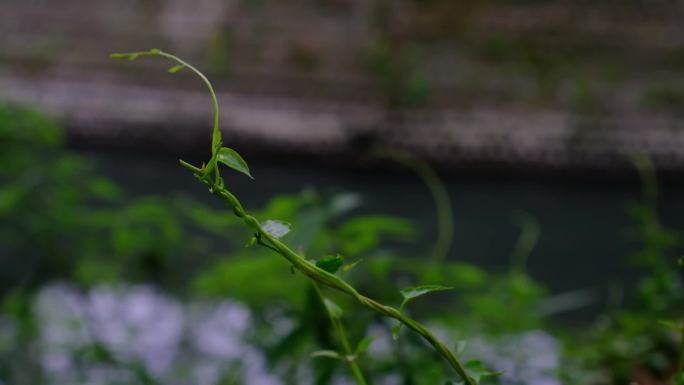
[267, 235]
[679, 327]
[629, 342]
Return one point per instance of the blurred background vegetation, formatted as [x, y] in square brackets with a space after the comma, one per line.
[541, 154]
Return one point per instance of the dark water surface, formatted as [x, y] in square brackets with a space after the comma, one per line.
[584, 223]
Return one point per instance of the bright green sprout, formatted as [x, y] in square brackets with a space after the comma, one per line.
[209, 174]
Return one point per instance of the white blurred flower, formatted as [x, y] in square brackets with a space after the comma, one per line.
[138, 324]
[382, 344]
[59, 311]
[198, 343]
[218, 330]
[391, 379]
[339, 380]
[530, 358]
[8, 333]
[255, 370]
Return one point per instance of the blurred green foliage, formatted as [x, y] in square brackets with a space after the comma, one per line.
[398, 74]
[664, 96]
[61, 221]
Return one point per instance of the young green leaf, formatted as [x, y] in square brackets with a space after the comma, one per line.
[330, 263]
[232, 159]
[327, 354]
[252, 241]
[276, 229]
[395, 331]
[334, 310]
[411, 293]
[363, 345]
[349, 266]
[129, 56]
[460, 347]
[477, 371]
[176, 68]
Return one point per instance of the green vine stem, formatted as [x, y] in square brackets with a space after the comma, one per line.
[440, 195]
[343, 340]
[333, 281]
[529, 236]
[307, 268]
[216, 129]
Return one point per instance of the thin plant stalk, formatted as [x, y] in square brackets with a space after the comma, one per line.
[357, 373]
[440, 196]
[529, 236]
